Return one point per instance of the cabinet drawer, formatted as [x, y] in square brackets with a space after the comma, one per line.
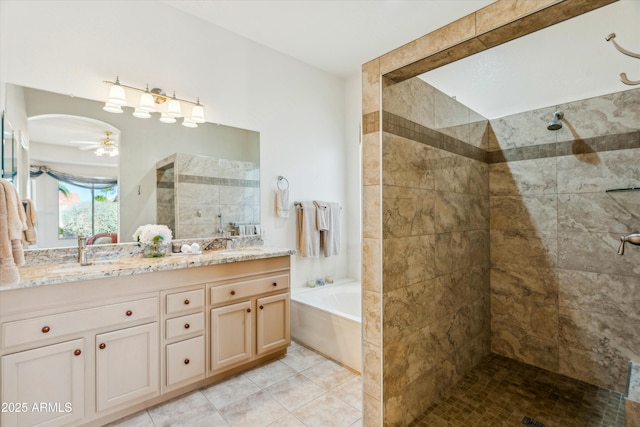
[37, 329]
[181, 302]
[185, 325]
[249, 288]
[185, 360]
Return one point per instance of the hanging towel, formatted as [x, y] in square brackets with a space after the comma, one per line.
[308, 234]
[322, 215]
[331, 237]
[29, 236]
[16, 216]
[282, 202]
[9, 274]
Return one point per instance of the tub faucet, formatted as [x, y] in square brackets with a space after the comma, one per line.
[633, 238]
[82, 251]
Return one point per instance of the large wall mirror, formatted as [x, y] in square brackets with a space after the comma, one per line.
[220, 184]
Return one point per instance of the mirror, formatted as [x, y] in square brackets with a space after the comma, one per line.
[8, 156]
[142, 143]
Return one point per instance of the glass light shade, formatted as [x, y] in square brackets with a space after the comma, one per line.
[113, 152]
[164, 118]
[141, 114]
[189, 123]
[116, 95]
[100, 151]
[173, 108]
[197, 114]
[112, 108]
[146, 103]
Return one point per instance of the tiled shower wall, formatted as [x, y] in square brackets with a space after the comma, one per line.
[435, 229]
[561, 297]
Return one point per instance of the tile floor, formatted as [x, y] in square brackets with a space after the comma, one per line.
[301, 389]
[501, 392]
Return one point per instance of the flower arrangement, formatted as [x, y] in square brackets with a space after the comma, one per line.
[155, 239]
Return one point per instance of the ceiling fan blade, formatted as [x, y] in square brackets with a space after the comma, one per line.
[89, 147]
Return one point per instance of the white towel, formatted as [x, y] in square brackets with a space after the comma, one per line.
[308, 235]
[282, 202]
[322, 215]
[331, 237]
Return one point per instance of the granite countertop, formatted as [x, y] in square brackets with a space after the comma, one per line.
[51, 274]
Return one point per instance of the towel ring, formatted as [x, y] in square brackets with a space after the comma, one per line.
[285, 181]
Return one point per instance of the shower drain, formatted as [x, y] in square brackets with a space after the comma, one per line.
[531, 422]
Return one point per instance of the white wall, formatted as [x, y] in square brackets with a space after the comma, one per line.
[71, 47]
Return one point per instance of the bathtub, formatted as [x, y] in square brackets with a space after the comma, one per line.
[328, 319]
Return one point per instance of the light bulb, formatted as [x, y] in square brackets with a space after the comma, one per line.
[146, 102]
[197, 113]
[165, 118]
[112, 108]
[173, 107]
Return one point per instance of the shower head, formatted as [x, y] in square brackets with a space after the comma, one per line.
[555, 122]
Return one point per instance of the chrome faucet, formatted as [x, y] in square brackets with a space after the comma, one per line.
[633, 238]
[228, 240]
[82, 251]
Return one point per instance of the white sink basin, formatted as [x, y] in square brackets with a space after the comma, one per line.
[77, 268]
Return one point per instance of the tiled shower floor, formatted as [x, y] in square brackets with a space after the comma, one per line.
[501, 392]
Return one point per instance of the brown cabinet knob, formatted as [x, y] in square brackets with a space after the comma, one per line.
[248, 310]
[129, 313]
[186, 361]
[187, 302]
[77, 353]
[186, 326]
[233, 292]
[262, 307]
[102, 346]
[45, 329]
[275, 283]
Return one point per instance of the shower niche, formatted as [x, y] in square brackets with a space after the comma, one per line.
[202, 196]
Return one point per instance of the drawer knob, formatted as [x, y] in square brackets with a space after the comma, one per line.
[102, 346]
[129, 313]
[233, 292]
[275, 283]
[187, 302]
[45, 329]
[186, 326]
[248, 310]
[77, 353]
[186, 361]
[262, 307]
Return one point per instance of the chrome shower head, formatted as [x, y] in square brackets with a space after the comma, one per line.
[555, 122]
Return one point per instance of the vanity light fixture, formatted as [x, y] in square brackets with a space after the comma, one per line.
[153, 101]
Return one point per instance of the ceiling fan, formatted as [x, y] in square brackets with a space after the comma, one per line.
[104, 147]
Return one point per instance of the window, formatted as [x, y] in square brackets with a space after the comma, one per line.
[86, 211]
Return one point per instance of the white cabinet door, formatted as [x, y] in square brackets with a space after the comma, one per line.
[273, 331]
[185, 361]
[44, 386]
[231, 335]
[127, 366]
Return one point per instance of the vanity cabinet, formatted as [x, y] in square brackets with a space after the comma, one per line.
[53, 376]
[184, 341]
[255, 323]
[87, 353]
[127, 363]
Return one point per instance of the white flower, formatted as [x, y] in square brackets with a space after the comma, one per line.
[152, 233]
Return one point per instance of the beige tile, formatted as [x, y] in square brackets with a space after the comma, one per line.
[452, 252]
[526, 348]
[327, 411]
[407, 260]
[412, 99]
[525, 282]
[287, 421]
[407, 163]
[257, 410]
[525, 317]
[372, 373]
[451, 212]
[139, 419]
[212, 420]
[185, 409]
[372, 415]
[532, 212]
[524, 177]
[350, 392]
[371, 159]
[371, 87]
[270, 373]
[230, 390]
[407, 212]
[371, 268]
[524, 247]
[371, 321]
[371, 214]
[302, 359]
[294, 391]
[583, 251]
[328, 374]
[600, 212]
[501, 12]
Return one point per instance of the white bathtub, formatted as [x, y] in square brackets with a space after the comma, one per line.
[329, 319]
